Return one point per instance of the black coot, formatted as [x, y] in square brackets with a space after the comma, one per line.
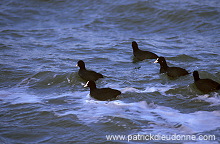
[102, 94]
[173, 72]
[140, 54]
[87, 75]
[205, 85]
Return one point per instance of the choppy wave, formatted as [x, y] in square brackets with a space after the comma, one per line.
[188, 123]
[77, 108]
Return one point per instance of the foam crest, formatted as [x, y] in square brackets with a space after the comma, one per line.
[158, 88]
[130, 89]
[162, 119]
[213, 99]
[18, 96]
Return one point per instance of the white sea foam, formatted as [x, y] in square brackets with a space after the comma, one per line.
[18, 96]
[162, 119]
[213, 98]
[158, 88]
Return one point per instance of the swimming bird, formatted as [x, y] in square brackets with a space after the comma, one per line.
[87, 75]
[205, 85]
[140, 54]
[102, 94]
[173, 72]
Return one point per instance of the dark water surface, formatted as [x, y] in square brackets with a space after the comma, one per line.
[42, 98]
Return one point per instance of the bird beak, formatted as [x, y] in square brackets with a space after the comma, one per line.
[76, 65]
[86, 85]
[156, 61]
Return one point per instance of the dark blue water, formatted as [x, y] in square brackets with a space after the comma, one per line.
[42, 98]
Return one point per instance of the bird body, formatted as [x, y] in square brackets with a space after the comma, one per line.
[140, 54]
[87, 75]
[170, 71]
[176, 72]
[102, 94]
[205, 85]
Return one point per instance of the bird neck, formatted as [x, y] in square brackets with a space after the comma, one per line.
[164, 65]
[92, 87]
[82, 67]
[135, 47]
[196, 77]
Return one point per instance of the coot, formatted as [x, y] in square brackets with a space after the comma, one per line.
[205, 85]
[173, 72]
[140, 54]
[87, 75]
[102, 94]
